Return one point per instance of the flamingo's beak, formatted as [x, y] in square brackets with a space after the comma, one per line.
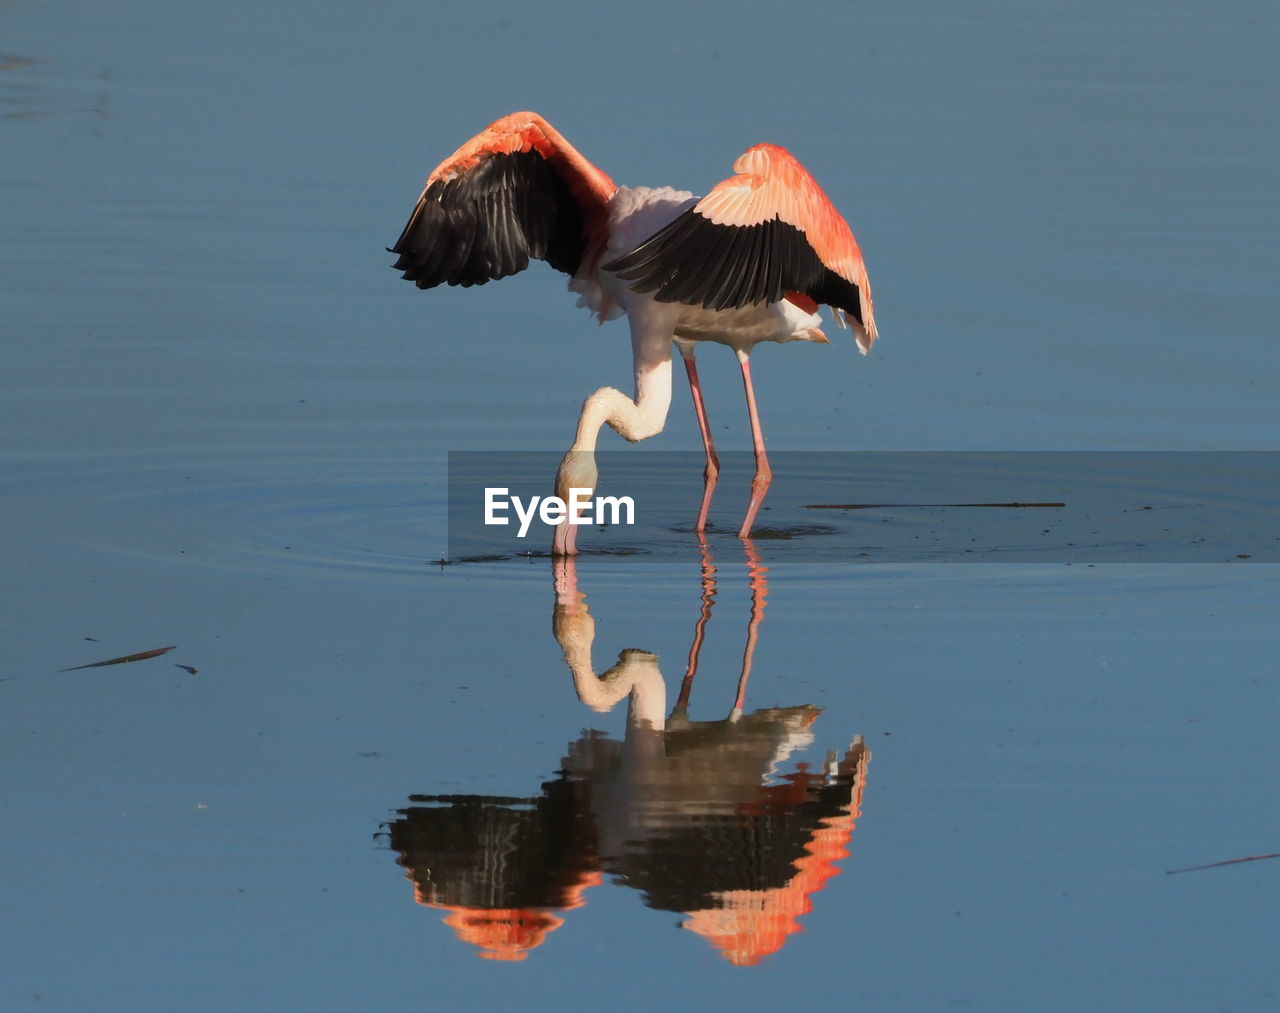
[564, 542]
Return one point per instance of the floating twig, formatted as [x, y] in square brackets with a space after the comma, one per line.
[1229, 861]
[142, 656]
[879, 506]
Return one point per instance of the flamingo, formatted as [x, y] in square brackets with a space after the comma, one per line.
[749, 262]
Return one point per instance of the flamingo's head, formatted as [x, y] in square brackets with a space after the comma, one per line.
[577, 473]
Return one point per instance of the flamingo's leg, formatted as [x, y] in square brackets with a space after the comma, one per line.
[764, 474]
[712, 470]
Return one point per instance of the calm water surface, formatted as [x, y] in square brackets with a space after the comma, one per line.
[727, 778]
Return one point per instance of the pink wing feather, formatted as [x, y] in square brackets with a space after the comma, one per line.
[770, 183]
[526, 131]
[765, 234]
[515, 191]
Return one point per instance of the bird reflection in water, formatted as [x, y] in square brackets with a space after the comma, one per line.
[697, 815]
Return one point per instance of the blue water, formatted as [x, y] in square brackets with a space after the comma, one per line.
[225, 429]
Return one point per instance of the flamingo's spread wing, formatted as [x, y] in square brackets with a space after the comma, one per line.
[514, 191]
[761, 234]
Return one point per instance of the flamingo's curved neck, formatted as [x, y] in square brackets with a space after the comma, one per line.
[644, 415]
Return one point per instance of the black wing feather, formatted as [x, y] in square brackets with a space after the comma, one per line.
[697, 262]
[489, 222]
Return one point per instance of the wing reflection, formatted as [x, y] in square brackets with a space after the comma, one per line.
[502, 867]
[703, 817]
